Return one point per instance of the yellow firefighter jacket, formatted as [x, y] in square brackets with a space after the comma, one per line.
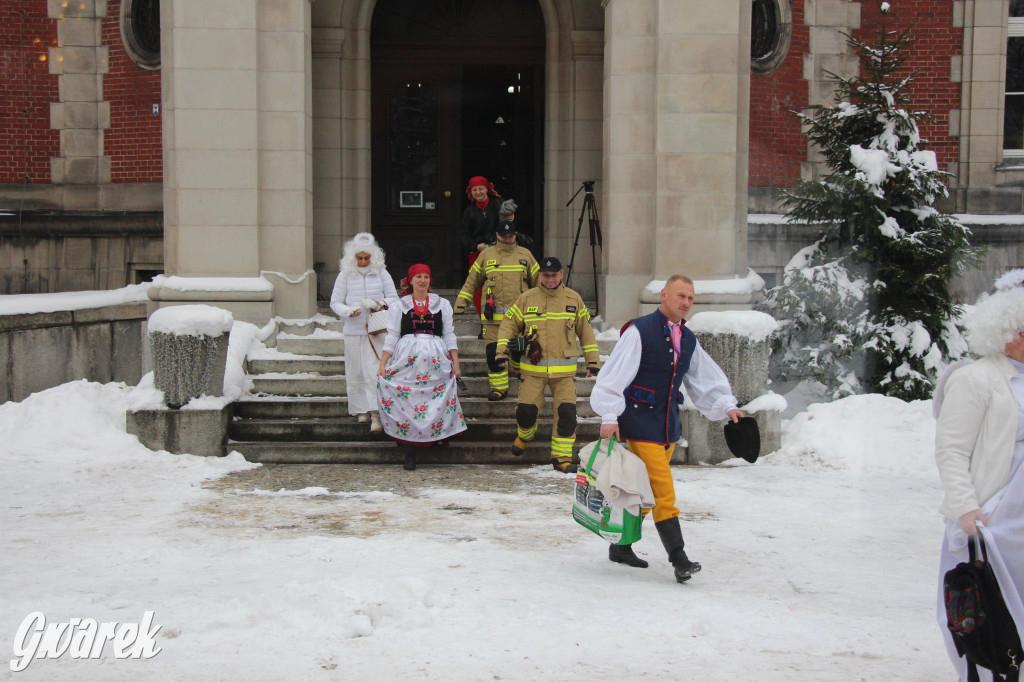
[504, 271]
[559, 317]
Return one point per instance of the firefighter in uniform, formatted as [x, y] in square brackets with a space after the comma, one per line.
[550, 318]
[504, 271]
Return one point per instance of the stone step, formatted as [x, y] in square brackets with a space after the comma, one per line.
[336, 385]
[305, 365]
[346, 429]
[458, 452]
[282, 407]
[469, 346]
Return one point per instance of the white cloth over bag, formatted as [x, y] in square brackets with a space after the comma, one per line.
[1004, 541]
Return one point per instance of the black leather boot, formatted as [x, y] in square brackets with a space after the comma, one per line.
[623, 554]
[410, 458]
[672, 537]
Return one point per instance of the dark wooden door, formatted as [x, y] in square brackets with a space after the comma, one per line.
[415, 184]
[457, 91]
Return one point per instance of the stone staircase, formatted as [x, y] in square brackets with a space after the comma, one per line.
[298, 410]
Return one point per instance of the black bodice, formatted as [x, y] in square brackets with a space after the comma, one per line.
[430, 324]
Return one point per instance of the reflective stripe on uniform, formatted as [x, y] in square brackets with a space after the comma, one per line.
[566, 366]
[561, 448]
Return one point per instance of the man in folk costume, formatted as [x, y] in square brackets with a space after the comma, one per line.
[551, 317]
[638, 397]
[505, 271]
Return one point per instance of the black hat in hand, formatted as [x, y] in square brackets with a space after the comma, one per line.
[743, 438]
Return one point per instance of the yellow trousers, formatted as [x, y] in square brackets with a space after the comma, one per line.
[656, 458]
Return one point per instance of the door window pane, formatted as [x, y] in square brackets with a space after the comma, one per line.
[1017, 8]
[412, 157]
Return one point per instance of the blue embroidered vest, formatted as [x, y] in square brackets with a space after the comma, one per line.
[653, 398]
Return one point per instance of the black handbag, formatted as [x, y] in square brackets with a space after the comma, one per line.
[982, 628]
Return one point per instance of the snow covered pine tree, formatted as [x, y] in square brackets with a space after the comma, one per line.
[886, 255]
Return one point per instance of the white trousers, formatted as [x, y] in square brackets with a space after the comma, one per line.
[361, 372]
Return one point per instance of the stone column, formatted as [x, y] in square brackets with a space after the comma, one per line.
[675, 144]
[237, 150]
[81, 115]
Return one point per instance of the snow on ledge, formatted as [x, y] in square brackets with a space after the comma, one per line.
[191, 320]
[769, 402]
[176, 283]
[754, 325]
[735, 285]
[27, 304]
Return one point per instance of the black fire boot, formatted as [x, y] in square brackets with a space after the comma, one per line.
[623, 554]
[410, 458]
[672, 537]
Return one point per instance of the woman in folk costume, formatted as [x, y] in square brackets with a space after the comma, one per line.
[416, 389]
[979, 449]
[363, 286]
[479, 221]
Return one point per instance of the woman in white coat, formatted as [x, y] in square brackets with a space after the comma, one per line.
[363, 286]
[979, 449]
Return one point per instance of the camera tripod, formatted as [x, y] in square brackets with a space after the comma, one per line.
[589, 210]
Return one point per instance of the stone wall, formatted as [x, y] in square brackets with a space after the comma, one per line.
[42, 350]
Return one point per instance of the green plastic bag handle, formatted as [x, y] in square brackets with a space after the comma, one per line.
[593, 455]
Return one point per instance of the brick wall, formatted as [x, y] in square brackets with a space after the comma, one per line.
[936, 41]
[26, 140]
[133, 141]
[777, 146]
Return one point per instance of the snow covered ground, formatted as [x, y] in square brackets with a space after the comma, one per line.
[819, 560]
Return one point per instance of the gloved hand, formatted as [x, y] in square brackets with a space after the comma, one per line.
[533, 351]
[460, 307]
[593, 370]
[489, 306]
[518, 345]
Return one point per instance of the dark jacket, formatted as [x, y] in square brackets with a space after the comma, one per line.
[479, 226]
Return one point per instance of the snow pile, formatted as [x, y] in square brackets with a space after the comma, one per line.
[25, 304]
[754, 325]
[863, 434]
[191, 320]
[735, 285]
[176, 283]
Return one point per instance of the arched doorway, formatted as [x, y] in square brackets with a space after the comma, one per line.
[457, 90]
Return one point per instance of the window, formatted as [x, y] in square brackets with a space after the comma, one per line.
[140, 31]
[771, 26]
[1013, 111]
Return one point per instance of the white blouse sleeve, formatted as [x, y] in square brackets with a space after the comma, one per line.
[607, 399]
[448, 326]
[708, 387]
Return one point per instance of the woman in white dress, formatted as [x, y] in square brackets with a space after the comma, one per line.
[363, 286]
[979, 448]
[416, 386]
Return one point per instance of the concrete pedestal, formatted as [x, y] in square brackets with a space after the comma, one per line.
[182, 432]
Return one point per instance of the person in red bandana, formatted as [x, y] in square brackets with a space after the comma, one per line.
[416, 381]
[479, 221]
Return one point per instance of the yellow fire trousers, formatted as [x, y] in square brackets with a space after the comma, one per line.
[656, 458]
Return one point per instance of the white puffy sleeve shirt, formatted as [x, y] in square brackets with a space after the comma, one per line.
[705, 382]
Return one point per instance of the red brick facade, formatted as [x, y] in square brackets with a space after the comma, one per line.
[777, 145]
[26, 140]
[133, 141]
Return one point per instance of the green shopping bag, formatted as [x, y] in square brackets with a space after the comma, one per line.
[589, 507]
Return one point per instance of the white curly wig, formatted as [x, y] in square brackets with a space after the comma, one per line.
[996, 319]
[362, 243]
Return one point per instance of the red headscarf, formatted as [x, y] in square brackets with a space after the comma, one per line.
[481, 181]
[414, 270]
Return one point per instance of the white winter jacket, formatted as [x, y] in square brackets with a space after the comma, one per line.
[975, 433]
[351, 289]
